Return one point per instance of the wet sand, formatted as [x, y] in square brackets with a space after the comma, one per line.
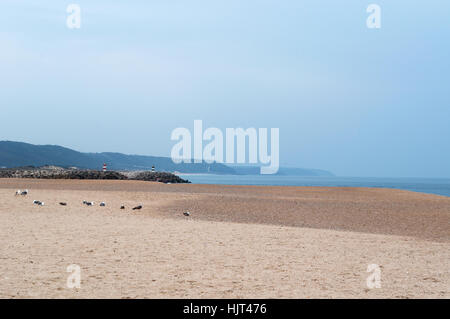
[239, 242]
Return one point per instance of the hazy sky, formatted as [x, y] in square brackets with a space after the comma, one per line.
[353, 100]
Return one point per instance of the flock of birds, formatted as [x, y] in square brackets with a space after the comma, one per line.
[102, 204]
[39, 203]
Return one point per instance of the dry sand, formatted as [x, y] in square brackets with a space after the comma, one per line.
[239, 242]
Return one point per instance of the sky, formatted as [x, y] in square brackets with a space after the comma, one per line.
[346, 98]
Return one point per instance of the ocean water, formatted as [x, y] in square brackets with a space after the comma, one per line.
[439, 186]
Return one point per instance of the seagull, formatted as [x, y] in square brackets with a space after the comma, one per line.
[18, 192]
[137, 207]
[39, 203]
[122, 207]
[186, 214]
[90, 203]
[63, 204]
[24, 193]
[102, 204]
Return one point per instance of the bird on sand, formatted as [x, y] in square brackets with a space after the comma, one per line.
[137, 207]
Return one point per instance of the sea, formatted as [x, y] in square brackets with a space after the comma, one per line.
[438, 186]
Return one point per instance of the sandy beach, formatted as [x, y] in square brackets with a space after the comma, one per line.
[238, 242]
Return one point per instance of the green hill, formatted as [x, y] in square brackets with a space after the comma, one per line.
[16, 154]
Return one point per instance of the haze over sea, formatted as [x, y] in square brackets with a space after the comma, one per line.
[439, 186]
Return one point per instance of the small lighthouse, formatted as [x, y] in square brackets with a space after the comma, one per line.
[104, 167]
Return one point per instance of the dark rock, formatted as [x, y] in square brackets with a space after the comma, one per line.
[162, 177]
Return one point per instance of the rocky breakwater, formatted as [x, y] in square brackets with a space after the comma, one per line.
[54, 172]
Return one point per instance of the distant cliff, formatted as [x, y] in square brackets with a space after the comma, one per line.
[16, 154]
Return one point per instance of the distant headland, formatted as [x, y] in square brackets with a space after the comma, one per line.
[19, 154]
